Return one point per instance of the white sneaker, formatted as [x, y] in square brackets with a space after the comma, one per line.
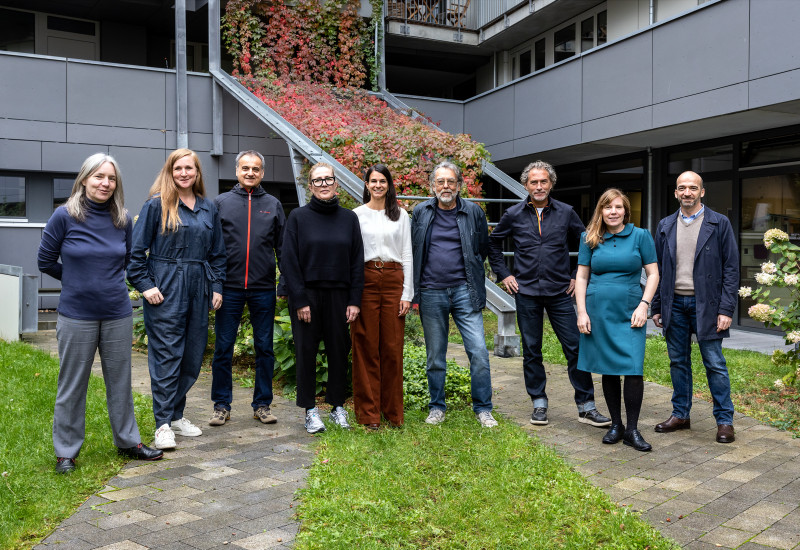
[436, 416]
[184, 427]
[165, 439]
[339, 417]
[314, 423]
[486, 419]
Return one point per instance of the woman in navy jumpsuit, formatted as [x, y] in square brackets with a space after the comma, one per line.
[180, 279]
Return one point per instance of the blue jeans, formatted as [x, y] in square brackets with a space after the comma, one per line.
[435, 308]
[679, 346]
[561, 313]
[261, 304]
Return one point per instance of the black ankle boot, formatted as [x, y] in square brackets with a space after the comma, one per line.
[634, 439]
[614, 434]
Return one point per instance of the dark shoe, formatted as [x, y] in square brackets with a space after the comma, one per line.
[539, 416]
[673, 423]
[141, 452]
[594, 418]
[374, 426]
[614, 434]
[64, 465]
[725, 433]
[633, 438]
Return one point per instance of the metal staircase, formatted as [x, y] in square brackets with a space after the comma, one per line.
[301, 148]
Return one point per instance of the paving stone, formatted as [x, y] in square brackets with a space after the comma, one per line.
[123, 545]
[776, 537]
[123, 518]
[726, 536]
[760, 516]
[117, 534]
[131, 492]
[270, 539]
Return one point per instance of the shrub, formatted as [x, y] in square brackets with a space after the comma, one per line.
[457, 387]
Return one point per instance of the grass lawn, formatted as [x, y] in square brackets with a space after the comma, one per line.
[456, 486]
[34, 498]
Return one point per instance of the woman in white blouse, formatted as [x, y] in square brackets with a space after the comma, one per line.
[388, 288]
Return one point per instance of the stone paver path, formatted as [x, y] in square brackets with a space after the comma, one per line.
[702, 494]
[233, 487]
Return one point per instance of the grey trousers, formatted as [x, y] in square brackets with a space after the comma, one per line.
[77, 343]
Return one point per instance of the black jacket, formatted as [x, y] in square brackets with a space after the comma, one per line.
[541, 262]
[252, 228]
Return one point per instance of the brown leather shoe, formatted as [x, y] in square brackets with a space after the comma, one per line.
[673, 423]
[725, 433]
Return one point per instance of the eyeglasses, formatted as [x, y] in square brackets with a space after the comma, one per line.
[319, 182]
[452, 182]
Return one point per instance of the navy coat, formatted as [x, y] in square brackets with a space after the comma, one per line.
[716, 272]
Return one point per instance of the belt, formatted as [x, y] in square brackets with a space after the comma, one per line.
[380, 264]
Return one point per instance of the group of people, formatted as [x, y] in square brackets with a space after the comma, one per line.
[352, 276]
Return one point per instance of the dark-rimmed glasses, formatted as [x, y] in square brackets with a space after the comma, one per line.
[319, 182]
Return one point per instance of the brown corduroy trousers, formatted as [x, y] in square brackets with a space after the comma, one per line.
[377, 336]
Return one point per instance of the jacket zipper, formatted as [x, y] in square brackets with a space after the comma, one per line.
[247, 256]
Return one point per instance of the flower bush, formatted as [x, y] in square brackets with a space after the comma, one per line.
[784, 272]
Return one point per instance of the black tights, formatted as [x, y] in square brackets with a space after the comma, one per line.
[633, 394]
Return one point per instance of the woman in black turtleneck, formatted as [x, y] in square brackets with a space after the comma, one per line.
[322, 267]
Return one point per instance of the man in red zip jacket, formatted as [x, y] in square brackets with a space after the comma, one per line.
[252, 226]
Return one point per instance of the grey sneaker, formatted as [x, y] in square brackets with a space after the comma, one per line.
[264, 415]
[539, 416]
[594, 418]
[486, 419]
[339, 417]
[219, 417]
[314, 423]
[436, 416]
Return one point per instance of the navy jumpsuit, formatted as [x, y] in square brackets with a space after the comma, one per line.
[186, 265]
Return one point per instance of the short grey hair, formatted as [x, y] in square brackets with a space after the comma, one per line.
[252, 154]
[447, 165]
[538, 165]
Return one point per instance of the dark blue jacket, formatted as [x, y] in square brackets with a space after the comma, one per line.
[541, 262]
[716, 272]
[474, 232]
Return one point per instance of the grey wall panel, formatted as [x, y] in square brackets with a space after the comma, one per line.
[199, 141]
[501, 151]
[230, 114]
[628, 122]
[559, 106]
[720, 33]
[19, 247]
[32, 130]
[282, 169]
[115, 135]
[230, 143]
[450, 114]
[618, 79]
[553, 139]
[210, 173]
[774, 36]
[490, 118]
[773, 90]
[48, 302]
[227, 166]
[199, 103]
[699, 106]
[20, 155]
[265, 146]
[33, 88]
[115, 96]
[139, 170]
[67, 157]
[250, 125]
[171, 140]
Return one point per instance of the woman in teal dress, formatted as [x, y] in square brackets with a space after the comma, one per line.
[612, 309]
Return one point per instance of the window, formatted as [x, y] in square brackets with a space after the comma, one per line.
[564, 43]
[62, 187]
[587, 34]
[12, 196]
[602, 27]
[525, 63]
[17, 31]
[539, 54]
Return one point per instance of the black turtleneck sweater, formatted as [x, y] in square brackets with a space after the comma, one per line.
[322, 248]
[94, 255]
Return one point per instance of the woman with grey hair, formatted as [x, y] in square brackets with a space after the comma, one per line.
[91, 234]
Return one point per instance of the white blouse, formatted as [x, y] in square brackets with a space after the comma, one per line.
[388, 241]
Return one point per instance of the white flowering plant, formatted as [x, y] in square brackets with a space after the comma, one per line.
[784, 272]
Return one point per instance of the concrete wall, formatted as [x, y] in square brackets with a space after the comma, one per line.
[56, 112]
[730, 58]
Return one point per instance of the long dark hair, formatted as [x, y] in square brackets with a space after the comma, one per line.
[392, 208]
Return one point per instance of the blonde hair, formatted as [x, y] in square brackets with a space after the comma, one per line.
[167, 190]
[320, 165]
[597, 227]
[76, 203]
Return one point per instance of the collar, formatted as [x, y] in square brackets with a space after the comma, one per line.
[627, 230]
[690, 219]
[239, 189]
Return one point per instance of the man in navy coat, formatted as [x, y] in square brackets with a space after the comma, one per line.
[698, 260]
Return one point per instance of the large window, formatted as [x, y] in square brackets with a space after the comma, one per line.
[46, 34]
[12, 197]
[17, 31]
[62, 187]
[564, 43]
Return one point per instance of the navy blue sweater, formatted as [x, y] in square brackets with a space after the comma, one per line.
[93, 255]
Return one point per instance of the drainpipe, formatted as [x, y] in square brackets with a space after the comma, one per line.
[652, 12]
[214, 56]
[650, 226]
[181, 86]
[380, 49]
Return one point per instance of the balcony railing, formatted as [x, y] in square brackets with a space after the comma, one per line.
[465, 14]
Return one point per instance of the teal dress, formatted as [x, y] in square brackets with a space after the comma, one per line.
[614, 292]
